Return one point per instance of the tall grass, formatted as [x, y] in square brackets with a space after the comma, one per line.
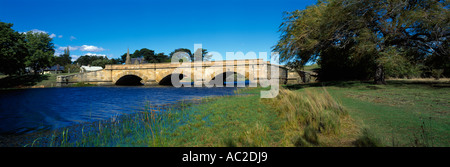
[307, 113]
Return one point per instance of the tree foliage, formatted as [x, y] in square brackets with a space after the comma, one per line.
[359, 39]
[149, 56]
[101, 62]
[192, 56]
[40, 50]
[63, 59]
[182, 53]
[91, 60]
[12, 50]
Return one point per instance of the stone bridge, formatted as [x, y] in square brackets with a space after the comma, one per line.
[253, 70]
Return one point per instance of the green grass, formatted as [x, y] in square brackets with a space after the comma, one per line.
[245, 123]
[399, 113]
[49, 81]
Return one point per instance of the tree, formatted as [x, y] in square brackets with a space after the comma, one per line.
[204, 53]
[147, 54]
[356, 37]
[89, 59]
[71, 68]
[192, 56]
[117, 61]
[101, 62]
[185, 51]
[161, 57]
[12, 50]
[40, 50]
[63, 59]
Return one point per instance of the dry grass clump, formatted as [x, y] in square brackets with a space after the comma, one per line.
[308, 113]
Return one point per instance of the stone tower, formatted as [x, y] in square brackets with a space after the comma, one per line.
[128, 60]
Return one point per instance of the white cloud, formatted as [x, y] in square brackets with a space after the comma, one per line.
[71, 48]
[57, 53]
[91, 48]
[72, 38]
[34, 31]
[86, 48]
[95, 54]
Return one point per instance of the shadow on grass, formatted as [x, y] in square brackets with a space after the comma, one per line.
[21, 80]
[342, 84]
[435, 84]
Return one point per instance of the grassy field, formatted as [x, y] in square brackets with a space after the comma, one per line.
[341, 114]
[401, 113]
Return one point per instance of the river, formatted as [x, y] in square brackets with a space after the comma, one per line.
[30, 110]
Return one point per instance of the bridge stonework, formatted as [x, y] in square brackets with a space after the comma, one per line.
[153, 73]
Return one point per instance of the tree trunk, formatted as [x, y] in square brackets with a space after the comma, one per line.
[379, 75]
[302, 76]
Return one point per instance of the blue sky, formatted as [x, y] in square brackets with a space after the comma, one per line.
[108, 28]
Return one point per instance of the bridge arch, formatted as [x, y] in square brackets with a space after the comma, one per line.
[167, 80]
[221, 78]
[129, 78]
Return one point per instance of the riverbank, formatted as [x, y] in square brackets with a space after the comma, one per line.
[213, 121]
[30, 81]
[336, 114]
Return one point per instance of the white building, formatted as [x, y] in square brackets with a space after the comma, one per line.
[90, 68]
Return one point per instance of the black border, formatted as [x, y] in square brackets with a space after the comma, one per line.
[172, 156]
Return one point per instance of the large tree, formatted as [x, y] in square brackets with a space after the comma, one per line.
[40, 50]
[12, 50]
[359, 37]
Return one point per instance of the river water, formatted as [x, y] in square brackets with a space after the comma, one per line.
[30, 110]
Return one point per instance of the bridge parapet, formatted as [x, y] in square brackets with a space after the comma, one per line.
[192, 64]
